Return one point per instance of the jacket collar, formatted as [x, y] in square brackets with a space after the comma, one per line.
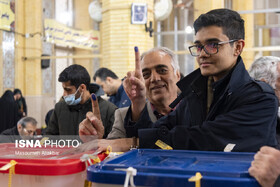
[196, 82]
[239, 77]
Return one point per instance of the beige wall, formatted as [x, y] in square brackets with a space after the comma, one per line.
[119, 36]
[248, 56]
[28, 75]
[83, 21]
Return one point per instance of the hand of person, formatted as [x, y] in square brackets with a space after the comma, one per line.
[134, 86]
[100, 145]
[266, 166]
[117, 145]
[92, 125]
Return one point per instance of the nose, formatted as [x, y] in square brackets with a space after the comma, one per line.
[154, 76]
[64, 93]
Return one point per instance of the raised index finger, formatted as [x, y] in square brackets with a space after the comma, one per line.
[95, 106]
[137, 61]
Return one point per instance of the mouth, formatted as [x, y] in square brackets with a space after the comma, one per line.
[157, 87]
[205, 64]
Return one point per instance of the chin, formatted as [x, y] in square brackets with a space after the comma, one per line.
[159, 97]
[206, 73]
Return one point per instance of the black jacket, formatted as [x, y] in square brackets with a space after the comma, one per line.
[278, 133]
[65, 119]
[10, 135]
[243, 112]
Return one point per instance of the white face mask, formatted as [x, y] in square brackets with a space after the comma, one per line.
[70, 99]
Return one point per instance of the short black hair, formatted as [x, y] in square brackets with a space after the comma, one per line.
[103, 73]
[76, 74]
[230, 21]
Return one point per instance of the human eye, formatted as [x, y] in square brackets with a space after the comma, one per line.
[146, 74]
[197, 47]
[212, 45]
[162, 71]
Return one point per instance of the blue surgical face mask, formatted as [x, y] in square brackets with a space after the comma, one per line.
[70, 99]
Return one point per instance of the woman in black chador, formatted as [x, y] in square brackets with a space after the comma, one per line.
[8, 111]
[20, 100]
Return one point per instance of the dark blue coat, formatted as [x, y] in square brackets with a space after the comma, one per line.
[244, 113]
[120, 99]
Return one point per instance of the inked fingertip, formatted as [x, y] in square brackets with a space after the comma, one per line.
[93, 97]
[136, 49]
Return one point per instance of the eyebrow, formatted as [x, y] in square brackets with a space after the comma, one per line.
[156, 67]
[66, 88]
[208, 40]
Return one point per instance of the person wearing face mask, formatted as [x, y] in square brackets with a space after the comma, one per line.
[76, 102]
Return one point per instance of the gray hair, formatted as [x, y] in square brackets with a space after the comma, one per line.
[174, 60]
[25, 120]
[265, 68]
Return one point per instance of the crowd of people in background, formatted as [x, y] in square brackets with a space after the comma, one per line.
[218, 107]
[12, 108]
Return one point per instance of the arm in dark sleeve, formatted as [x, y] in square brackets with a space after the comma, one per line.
[16, 115]
[24, 105]
[249, 126]
[132, 127]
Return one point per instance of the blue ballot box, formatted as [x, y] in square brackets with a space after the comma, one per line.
[174, 168]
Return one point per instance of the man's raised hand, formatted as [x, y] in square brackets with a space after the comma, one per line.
[92, 127]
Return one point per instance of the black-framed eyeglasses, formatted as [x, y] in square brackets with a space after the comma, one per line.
[210, 48]
[30, 131]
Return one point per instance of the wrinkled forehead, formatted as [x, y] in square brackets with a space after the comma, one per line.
[30, 126]
[156, 58]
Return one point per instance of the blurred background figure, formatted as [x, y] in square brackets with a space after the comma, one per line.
[47, 119]
[267, 69]
[8, 111]
[112, 86]
[25, 129]
[20, 100]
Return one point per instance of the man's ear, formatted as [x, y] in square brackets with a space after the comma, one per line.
[83, 87]
[239, 47]
[178, 75]
[19, 127]
[109, 80]
[262, 79]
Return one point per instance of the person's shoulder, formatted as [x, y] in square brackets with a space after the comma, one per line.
[60, 105]
[263, 86]
[10, 131]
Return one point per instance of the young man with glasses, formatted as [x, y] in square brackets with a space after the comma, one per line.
[221, 107]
